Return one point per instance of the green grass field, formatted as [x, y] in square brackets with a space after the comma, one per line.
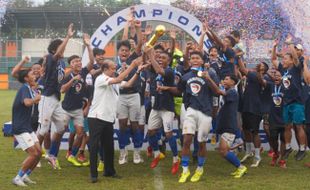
[135, 177]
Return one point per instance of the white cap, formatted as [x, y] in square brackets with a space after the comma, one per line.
[299, 47]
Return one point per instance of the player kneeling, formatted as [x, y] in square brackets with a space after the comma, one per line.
[23, 107]
[227, 124]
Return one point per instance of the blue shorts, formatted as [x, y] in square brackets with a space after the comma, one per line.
[294, 114]
[85, 126]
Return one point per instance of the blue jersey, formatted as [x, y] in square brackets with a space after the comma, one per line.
[136, 87]
[265, 96]
[227, 67]
[54, 74]
[74, 96]
[21, 114]
[292, 83]
[276, 109]
[251, 100]
[164, 99]
[197, 93]
[227, 117]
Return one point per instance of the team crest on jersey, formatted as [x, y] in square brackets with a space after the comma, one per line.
[286, 82]
[195, 88]
[277, 100]
[78, 87]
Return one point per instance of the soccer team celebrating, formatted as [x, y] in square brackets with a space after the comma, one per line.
[156, 85]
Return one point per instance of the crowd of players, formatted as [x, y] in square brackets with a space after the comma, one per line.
[203, 90]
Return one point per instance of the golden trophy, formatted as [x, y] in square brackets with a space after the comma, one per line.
[159, 31]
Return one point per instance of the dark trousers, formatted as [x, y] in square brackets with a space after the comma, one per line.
[101, 132]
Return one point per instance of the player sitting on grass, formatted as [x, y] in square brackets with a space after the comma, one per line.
[23, 108]
[227, 124]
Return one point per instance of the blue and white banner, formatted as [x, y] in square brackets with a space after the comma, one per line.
[151, 12]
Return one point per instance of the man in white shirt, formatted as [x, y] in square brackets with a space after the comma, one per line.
[102, 114]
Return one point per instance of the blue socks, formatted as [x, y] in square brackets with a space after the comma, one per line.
[28, 172]
[75, 150]
[238, 134]
[122, 138]
[201, 161]
[173, 145]
[138, 136]
[54, 148]
[185, 161]
[153, 140]
[233, 159]
[21, 173]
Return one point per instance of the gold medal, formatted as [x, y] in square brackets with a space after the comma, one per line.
[199, 73]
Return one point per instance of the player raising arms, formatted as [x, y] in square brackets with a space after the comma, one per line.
[227, 122]
[23, 108]
[197, 97]
[74, 85]
[162, 113]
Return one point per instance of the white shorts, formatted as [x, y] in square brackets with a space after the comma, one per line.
[197, 121]
[160, 118]
[129, 106]
[142, 116]
[182, 115]
[229, 138]
[26, 140]
[50, 110]
[76, 115]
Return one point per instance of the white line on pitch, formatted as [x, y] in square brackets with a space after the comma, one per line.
[158, 181]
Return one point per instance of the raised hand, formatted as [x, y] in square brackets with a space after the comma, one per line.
[289, 39]
[173, 33]
[147, 49]
[86, 39]
[26, 59]
[275, 43]
[138, 23]
[189, 45]
[148, 30]
[205, 25]
[71, 31]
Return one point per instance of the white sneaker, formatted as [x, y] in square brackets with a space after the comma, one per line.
[256, 162]
[137, 157]
[246, 156]
[18, 182]
[123, 157]
[39, 165]
[26, 179]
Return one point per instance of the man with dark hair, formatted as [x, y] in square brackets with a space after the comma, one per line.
[226, 52]
[197, 96]
[49, 107]
[294, 109]
[227, 123]
[252, 109]
[129, 101]
[74, 86]
[23, 106]
[162, 113]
